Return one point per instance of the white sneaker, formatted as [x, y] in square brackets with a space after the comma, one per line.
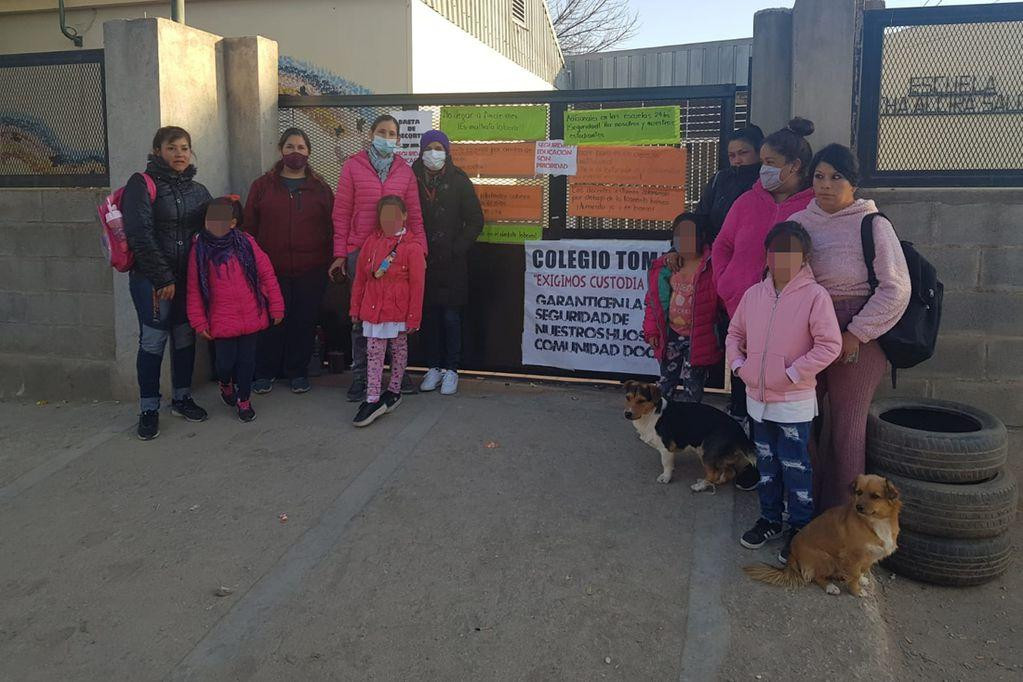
[449, 385]
[432, 380]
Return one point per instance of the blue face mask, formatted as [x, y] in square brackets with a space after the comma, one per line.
[384, 146]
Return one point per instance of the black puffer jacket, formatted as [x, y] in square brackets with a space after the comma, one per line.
[453, 218]
[728, 184]
[160, 233]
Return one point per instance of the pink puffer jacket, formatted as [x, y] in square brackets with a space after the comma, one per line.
[234, 309]
[355, 204]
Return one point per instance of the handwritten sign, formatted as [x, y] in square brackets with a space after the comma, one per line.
[507, 202]
[641, 203]
[644, 125]
[494, 123]
[492, 160]
[631, 166]
[509, 233]
[554, 158]
[411, 126]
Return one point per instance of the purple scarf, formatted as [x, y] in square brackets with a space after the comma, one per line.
[218, 251]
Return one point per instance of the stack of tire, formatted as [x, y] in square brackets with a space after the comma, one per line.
[948, 462]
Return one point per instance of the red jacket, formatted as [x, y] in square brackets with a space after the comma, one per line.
[234, 309]
[704, 349]
[358, 191]
[294, 228]
[398, 295]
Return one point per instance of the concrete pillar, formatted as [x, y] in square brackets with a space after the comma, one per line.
[771, 86]
[823, 45]
[250, 68]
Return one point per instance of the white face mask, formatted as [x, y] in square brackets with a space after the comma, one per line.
[770, 177]
[434, 159]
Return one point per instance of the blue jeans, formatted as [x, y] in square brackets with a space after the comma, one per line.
[442, 336]
[158, 322]
[784, 464]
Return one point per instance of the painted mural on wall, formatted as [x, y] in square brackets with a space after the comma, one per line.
[30, 146]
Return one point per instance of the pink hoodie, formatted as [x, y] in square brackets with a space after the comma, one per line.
[739, 256]
[777, 344]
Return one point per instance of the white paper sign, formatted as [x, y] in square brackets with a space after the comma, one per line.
[411, 126]
[554, 158]
[584, 304]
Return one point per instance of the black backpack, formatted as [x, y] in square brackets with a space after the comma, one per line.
[914, 336]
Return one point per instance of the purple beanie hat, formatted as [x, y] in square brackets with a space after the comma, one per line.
[434, 136]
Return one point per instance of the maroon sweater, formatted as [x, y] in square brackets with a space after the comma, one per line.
[294, 228]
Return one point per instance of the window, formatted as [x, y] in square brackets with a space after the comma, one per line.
[519, 11]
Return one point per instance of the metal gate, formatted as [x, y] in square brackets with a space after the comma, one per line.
[338, 128]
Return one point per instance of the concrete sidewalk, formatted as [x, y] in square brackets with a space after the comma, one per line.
[411, 550]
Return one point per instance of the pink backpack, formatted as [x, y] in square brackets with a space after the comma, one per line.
[115, 243]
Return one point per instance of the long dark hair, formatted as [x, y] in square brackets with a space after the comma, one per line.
[841, 159]
[794, 231]
[791, 143]
[385, 117]
[704, 236]
[310, 171]
[218, 250]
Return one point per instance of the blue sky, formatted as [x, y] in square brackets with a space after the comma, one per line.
[671, 22]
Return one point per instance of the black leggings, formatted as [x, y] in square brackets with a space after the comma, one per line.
[236, 362]
[737, 403]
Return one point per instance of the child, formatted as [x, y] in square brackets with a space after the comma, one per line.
[681, 309]
[387, 298]
[232, 295]
[784, 332]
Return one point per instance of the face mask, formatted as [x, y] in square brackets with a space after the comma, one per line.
[295, 160]
[770, 177]
[384, 146]
[434, 159]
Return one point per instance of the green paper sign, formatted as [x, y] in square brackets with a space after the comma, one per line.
[485, 124]
[643, 125]
[502, 233]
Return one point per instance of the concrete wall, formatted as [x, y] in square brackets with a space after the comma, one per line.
[56, 296]
[771, 91]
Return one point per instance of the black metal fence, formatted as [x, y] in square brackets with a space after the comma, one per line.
[53, 120]
[941, 100]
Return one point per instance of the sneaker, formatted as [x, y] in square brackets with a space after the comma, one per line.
[783, 555]
[187, 408]
[449, 384]
[245, 411]
[391, 400]
[369, 413]
[227, 394]
[262, 386]
[300, 385]
[748, 478]
[759, 534]
[149, 424]
[432, 380]
[357, 391]
[407, 387]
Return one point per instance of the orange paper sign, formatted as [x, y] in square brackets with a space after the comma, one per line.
[641, 203]
[510, 160]
[631, 166]
[506, 202]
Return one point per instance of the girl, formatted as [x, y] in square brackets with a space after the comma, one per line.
[159, 233]
[833, 220]
[782, 334]
[365, 178]
[783, 189]
[289, 213]
[232, 296]
[387, 297]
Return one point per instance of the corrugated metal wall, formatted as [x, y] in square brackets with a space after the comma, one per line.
[723, 61]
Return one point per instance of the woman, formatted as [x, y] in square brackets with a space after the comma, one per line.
[833, 220]
[730, 183]
[738, 257]
[365, 179]
[453, 218]
[288, 211]
[160, 233]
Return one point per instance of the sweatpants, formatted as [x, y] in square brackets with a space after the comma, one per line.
[376, 350]
[785, 471]
[236, 363]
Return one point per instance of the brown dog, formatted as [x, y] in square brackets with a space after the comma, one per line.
[842, 543]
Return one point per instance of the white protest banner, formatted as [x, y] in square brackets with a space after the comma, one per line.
[554, 158]
[411, 126]
[584, 304]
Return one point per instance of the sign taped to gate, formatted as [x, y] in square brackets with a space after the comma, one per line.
[495, 160]
[584, 304]
[616, 201]
[412, 125]
[494, 123]
[511, 202]
[509, 233]
[631, 166]
[641, 125]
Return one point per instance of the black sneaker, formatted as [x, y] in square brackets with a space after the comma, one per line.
[357, 391]
[369, 413]
[263, 385]
[245, 411]
[407, 387]
[227, 395]
[391, 400]
[300, 385]
[149, 424]
[189, 410]
[759, 534]
[748, 478]
[783, 555]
